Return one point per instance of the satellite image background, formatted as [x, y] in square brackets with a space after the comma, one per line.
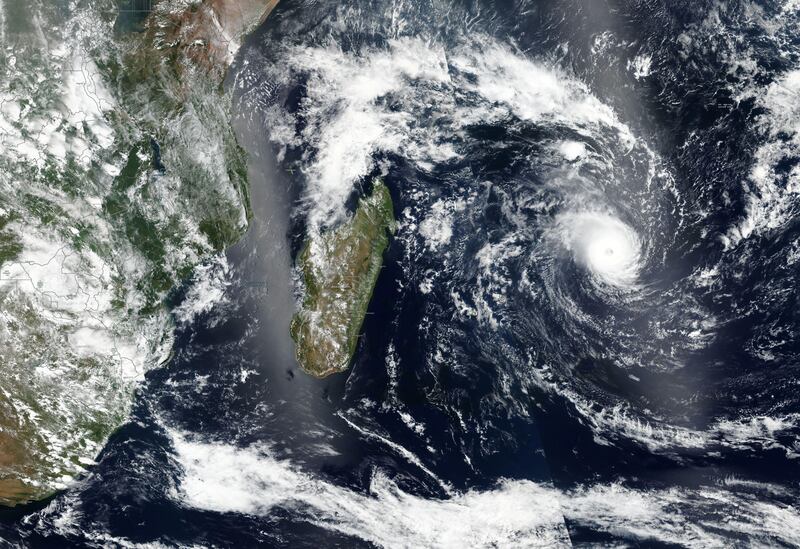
[399, 274]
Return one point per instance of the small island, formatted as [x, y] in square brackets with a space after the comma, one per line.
[339, 270]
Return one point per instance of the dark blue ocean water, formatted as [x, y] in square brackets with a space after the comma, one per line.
[576, 385]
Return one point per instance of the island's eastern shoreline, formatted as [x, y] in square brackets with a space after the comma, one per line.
[340, 268]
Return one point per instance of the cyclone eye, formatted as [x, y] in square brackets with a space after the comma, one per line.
[609, 249]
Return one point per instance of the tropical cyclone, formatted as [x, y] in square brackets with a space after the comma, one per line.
[119, 174]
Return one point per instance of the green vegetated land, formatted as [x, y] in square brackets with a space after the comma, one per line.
[119, 173]
[340, 269]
